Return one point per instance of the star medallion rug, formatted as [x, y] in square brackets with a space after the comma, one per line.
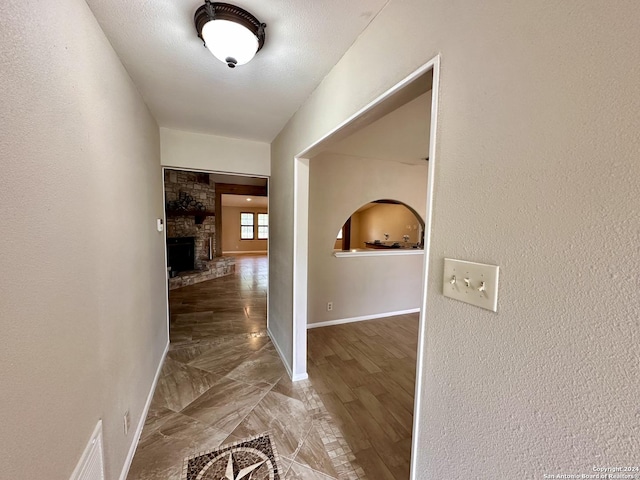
[254, 458]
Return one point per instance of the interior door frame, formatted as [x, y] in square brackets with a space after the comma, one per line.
[164, 220]
[301, 240]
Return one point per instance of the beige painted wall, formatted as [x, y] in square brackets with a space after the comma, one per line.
[231, 231]
[200, 151]
[537, 171]
[82, 302]
[364, 285]
[373, 223]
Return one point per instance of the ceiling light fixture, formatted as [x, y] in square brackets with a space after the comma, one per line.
[232, 34]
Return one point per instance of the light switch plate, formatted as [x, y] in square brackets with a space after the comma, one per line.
[457, 273]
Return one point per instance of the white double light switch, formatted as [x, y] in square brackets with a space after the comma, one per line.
[470, 282]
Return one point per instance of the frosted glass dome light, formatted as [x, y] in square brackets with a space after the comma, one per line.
[231, 34]
[229, 41]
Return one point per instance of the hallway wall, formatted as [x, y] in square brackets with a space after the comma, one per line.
[199, 151]
[536, 171]
[82, 290]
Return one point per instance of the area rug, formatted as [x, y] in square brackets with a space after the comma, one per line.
[254, 458]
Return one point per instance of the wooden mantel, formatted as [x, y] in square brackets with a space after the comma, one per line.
[199, 215]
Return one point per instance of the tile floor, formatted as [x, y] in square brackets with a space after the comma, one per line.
[223, 382]
[254, 458]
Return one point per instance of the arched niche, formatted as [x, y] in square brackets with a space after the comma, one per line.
[383, 224]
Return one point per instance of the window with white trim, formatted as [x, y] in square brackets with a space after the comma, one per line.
[246, 226]
[263, 226]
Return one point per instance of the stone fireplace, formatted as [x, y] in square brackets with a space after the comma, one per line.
[190, 227]
[182, 221]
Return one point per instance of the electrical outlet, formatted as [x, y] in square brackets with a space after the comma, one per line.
[127, 422]
[329, 306]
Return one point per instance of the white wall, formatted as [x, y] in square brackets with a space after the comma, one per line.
[537, 171]
[82, 302]
[338, 186]
[200, 151]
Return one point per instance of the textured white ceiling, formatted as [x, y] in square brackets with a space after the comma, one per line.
[186, 88]
[241, 201]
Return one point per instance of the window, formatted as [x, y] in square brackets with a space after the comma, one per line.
[246, 226]
[339, 237]
[263, 226]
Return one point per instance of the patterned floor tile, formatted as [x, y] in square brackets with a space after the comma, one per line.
[255, 458]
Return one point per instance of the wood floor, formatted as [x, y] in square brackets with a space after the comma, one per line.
[365, 374]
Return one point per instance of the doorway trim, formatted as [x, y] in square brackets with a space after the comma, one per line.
[164, 168]
[301, 240]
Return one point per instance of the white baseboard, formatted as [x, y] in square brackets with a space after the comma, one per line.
[341, 321]
[294, 378]
[299, 376]
[244, 251]
[282, 357]
[143, 417]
